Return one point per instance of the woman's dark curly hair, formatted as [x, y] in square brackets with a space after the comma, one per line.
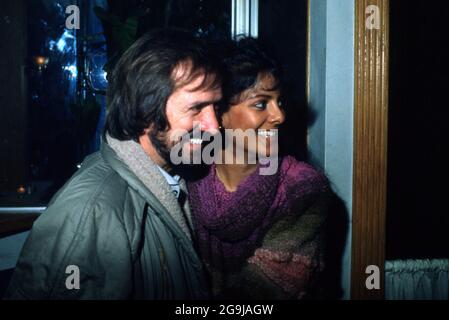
[244, 60]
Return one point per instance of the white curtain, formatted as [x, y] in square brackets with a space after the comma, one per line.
[417, 279]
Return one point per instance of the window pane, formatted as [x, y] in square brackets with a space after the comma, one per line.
[54, 81]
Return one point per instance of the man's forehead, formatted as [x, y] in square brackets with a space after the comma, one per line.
[194, 92]
[200, 94]
[189, 78]
[204, 82]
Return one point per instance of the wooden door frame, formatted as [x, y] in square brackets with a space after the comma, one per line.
[370, 147]
[367, 199]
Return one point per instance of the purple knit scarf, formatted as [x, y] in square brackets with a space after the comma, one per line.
[229, 226]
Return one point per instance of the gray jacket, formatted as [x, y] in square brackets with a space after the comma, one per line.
[122, 239]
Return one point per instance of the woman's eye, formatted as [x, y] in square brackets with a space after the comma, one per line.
[261, 105]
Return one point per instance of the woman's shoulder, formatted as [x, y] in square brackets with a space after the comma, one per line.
[302, 176]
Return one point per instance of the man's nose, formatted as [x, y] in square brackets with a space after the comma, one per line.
[208, 120]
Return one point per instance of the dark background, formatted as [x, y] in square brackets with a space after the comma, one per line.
[418, 162]
[283, 27]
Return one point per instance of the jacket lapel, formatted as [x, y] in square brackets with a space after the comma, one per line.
[136, 167]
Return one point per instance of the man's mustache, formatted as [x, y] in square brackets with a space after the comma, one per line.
[197, 133]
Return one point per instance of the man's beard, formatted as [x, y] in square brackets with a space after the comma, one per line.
[158, 140]
[189, 171]
[162, 145]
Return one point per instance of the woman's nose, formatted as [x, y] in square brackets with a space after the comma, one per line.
[277, 115]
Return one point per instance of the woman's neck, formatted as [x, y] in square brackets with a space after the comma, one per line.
[231, 175]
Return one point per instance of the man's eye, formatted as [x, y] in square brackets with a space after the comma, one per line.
[196, 109]
[261, 105]
[280, 103]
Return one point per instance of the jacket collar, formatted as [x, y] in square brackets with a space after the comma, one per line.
[131, 162]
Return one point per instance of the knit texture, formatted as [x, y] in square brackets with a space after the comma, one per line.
[264, 239]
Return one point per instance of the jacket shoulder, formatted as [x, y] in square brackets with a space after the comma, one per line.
[83, 226]
[94, 179]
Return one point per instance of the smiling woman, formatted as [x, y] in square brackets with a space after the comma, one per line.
[259, 109]
[260, 236]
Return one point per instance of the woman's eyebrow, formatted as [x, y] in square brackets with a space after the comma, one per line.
[267, 96]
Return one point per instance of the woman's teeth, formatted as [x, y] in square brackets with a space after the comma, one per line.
[196, 141]
[266, 133]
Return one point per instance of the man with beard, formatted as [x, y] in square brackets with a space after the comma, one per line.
[116, 230]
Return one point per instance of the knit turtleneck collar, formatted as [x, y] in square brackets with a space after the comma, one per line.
[231, 225]
[232, 216]
[228, 225]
